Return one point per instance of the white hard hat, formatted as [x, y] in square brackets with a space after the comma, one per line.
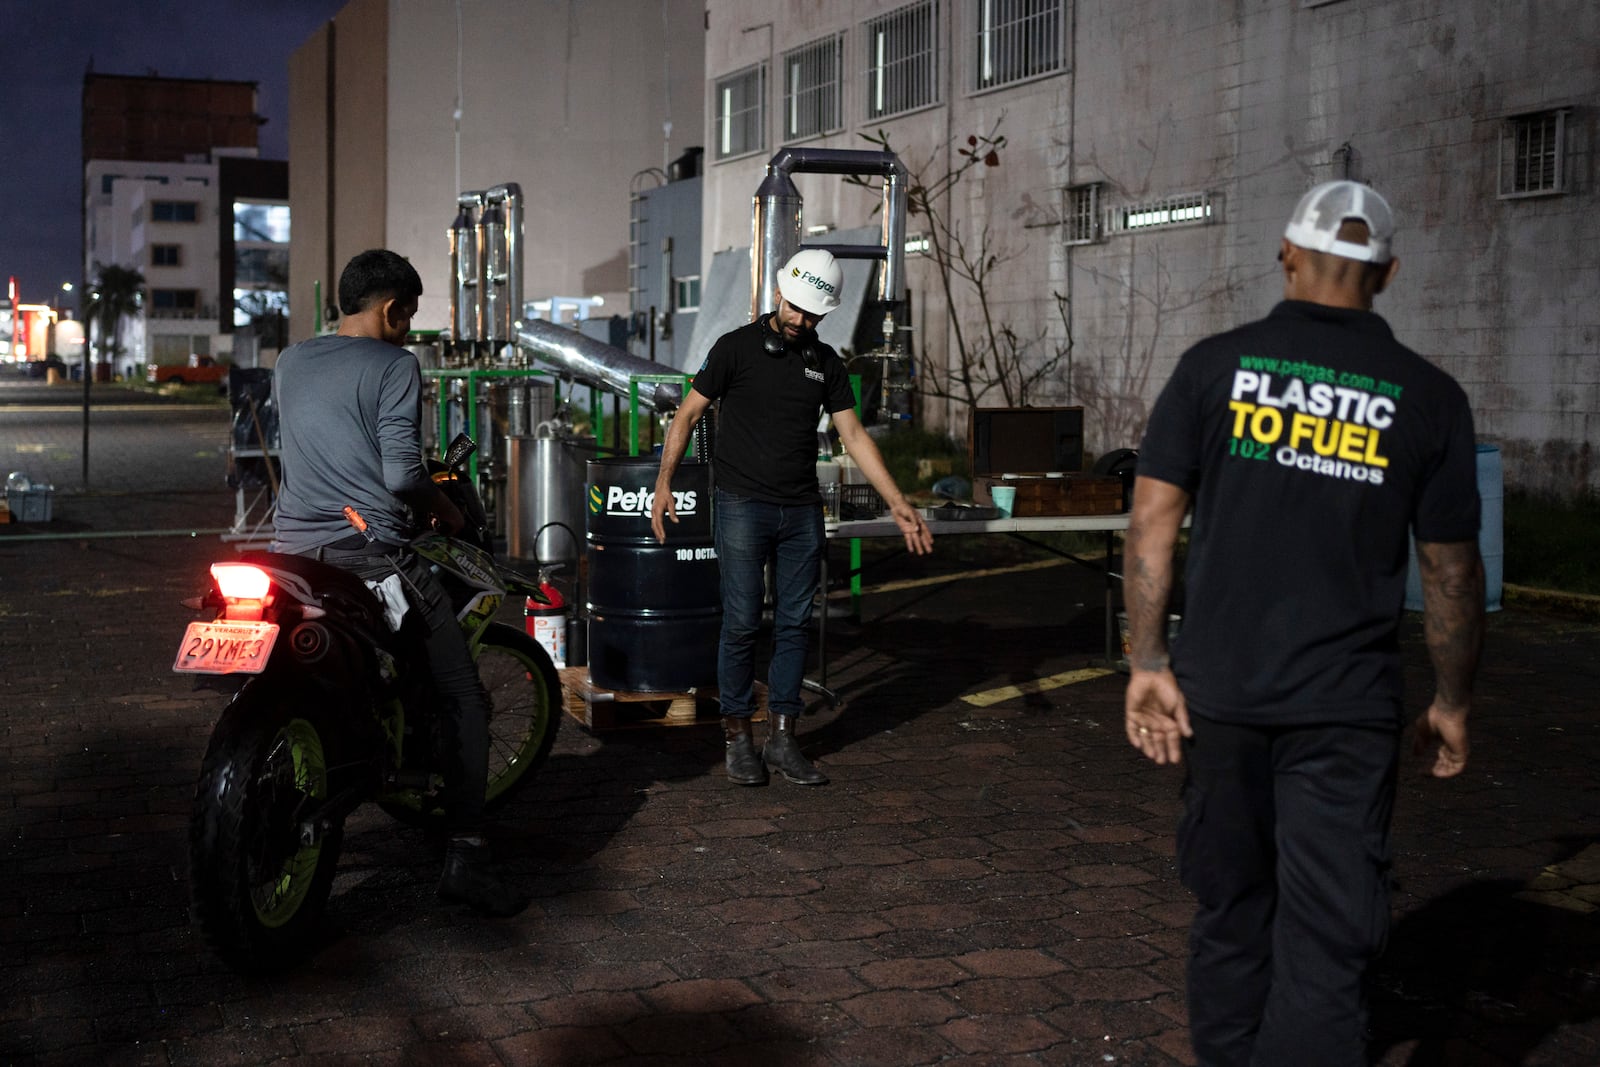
[811, 280]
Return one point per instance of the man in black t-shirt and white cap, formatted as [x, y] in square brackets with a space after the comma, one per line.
[1310, 444]
[772, 380]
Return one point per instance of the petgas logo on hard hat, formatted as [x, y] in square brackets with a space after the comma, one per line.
[811, 280]
[820, 283]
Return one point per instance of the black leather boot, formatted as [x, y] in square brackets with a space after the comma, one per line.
[744, 766]
[466, 880]
[782, 753]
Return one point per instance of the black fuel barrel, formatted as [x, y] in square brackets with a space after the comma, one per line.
[655, 610]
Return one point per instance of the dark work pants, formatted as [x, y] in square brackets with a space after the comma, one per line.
[1284, 841]
[464, 713]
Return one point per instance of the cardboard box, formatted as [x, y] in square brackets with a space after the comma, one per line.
[30, 505]
[1070, 494]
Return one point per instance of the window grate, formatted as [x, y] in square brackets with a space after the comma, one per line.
[1533, 154]
[1015, 40]
[1082, 214]
[1187, 209]
[902, 60]
[812, 77]
[741, 112]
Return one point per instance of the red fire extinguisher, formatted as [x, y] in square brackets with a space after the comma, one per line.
[547, 623]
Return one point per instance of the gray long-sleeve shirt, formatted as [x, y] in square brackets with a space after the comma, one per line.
[348, 412]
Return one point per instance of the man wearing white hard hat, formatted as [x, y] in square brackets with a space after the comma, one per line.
[1311, 444]
[771, 380]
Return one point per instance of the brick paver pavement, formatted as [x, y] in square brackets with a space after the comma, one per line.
[986, 885]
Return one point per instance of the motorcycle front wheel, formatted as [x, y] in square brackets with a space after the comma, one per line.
[260, 863]
[525, 707]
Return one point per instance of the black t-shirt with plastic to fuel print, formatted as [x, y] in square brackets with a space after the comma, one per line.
[770, 405]
[1312, 442]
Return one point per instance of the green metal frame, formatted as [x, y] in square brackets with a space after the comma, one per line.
[633, 403]
[472, 378]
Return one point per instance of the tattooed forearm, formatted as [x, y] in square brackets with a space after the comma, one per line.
[1148, 570]
[1452, 597]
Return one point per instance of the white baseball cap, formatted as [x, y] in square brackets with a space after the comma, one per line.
[1316, 219]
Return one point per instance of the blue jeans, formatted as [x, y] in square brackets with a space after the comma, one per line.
[748, 533]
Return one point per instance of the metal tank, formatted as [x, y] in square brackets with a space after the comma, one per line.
[545, 495]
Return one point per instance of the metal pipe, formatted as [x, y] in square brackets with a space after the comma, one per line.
[464, 276]
[595, 363]
[776, 228]
[775, 237]
[504, 282]
[496, 320]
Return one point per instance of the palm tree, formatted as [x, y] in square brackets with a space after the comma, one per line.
[117, 293]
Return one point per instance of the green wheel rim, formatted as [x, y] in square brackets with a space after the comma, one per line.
[294, 778]
[520, 710]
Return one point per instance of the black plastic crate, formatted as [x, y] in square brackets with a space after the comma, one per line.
[859, 502]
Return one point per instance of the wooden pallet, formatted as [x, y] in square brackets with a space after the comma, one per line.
[597, 708]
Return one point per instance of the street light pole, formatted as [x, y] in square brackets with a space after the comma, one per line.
[94, 296]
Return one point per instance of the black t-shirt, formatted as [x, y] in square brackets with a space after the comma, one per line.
[770, 405]
[1311, 441]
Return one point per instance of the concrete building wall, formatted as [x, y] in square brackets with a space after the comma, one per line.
[1249, 104]
[338, 152]
[312, 271]
[568, 101]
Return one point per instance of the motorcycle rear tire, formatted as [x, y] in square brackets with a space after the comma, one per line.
[259, 890]
[525, 708]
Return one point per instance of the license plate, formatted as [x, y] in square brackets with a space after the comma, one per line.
[226, 647]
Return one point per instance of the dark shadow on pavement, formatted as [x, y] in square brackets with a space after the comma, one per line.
[1482, 975]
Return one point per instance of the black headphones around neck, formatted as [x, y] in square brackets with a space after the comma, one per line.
[774, 344]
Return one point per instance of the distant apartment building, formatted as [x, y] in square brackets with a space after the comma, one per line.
[1152, 152]
[174, 188]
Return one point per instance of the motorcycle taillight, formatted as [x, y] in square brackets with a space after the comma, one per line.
[243, 587]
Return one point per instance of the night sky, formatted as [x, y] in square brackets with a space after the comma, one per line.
[45, 48]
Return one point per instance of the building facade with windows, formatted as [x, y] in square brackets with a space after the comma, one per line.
[174, 188]
[1151, 153]
[211, 240]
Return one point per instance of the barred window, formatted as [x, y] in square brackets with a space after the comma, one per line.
[1082, 214]
[1016, 40]
[741, 112]
[1187, 209]
[812, 77]
[902, 61]
[1533, 154]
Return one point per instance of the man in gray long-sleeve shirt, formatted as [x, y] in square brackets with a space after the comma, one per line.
[349, 416]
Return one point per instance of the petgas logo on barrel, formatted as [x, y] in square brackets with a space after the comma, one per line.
[617, 500]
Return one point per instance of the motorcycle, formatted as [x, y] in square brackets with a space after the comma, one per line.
[331, 708]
